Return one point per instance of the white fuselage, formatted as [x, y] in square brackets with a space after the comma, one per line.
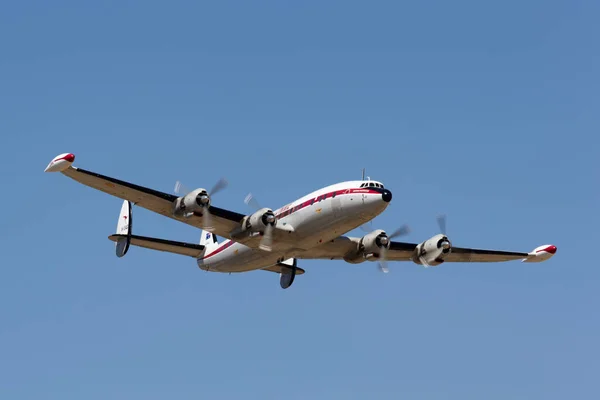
[316, 218]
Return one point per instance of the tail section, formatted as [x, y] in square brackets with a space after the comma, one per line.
[209, 241]
[124, 229]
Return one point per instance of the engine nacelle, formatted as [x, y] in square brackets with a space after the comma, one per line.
[258, 221]
[373, 242]
[255, 223]
[369, 247]
[196, 200]
[432, 252]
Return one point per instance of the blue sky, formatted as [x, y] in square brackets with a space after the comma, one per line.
[485, 112]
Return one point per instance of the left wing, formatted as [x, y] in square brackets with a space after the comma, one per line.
[224, 221]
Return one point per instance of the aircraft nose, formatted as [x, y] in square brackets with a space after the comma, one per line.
[386, 196]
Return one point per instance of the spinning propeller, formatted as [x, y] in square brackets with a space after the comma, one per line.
[445, 244]
[268, 219]
[385, 240]
[441, 220]
[204, 198]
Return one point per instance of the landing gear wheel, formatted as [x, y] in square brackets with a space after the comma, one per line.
[287, 277]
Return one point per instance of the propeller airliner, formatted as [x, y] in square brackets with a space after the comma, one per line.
[312, 227]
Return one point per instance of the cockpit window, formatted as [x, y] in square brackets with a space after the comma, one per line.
[372, 184]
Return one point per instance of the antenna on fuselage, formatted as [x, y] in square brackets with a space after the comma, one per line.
[363, 175]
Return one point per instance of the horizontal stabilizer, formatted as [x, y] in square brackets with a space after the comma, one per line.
[170, 246]
[280, 268]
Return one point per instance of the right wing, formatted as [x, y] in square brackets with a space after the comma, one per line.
[224, 221]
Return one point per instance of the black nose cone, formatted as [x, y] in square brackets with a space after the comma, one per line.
[386, 196]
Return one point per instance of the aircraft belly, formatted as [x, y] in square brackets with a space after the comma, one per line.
[238, 258]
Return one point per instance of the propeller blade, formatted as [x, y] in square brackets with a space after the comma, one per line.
[383, 261]
[180, 188]
[207, 221]
[441, 220]
[367, 227]
[267, 239]
[220, 185]
[252, 202]
[403, 230]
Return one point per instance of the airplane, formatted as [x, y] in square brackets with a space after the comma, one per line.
[312, 227]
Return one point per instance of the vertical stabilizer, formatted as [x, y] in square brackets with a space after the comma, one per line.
[124, 228]
[209, 241]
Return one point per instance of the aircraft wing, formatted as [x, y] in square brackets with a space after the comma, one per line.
[347, 247]
[224, 221]
[400, 251]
